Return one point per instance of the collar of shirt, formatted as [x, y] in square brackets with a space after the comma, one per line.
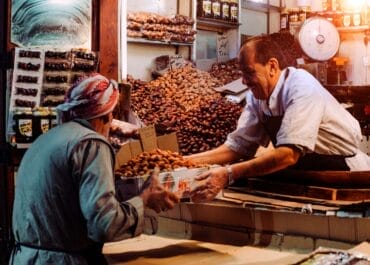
[271, 104]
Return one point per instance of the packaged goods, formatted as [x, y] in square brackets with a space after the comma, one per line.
[23, 125]
[225, 10]
[216, 9]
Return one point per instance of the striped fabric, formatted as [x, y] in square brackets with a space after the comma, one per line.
[90, 97]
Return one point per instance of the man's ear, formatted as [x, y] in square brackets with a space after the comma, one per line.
[274, 66]
[105, 118]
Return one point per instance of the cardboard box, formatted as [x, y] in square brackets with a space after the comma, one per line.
[148, 142]
[181, 181]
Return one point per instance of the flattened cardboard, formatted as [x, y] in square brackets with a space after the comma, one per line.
[168, 142]
[123, 155]
[148, 138]
[135, 148]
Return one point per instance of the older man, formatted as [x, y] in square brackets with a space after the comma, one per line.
[310, 130]
[65, 206]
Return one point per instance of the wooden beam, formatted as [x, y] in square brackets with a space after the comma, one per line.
[108, 38]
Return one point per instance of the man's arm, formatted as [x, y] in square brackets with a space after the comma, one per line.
[269, 162]
[220, 155]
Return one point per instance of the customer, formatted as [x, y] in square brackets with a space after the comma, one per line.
[65, 206]
[307, 126]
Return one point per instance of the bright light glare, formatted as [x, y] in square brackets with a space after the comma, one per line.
[353, 4]
[60, 2]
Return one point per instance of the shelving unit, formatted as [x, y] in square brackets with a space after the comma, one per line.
[215, 25]
[150, 42]
[138, 54]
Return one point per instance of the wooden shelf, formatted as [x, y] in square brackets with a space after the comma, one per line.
[215, 24]
[363, 28]
[357, 94]
[146, 41]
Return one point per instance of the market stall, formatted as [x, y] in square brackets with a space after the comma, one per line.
[178, 102]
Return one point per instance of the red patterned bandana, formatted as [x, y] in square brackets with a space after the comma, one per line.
[89, 98]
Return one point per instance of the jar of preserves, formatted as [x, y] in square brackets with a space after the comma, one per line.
[356, 18]
[216, 9]
[284, 20]
[23, 125]
[234, 10]
[207, 8]
[225, 10]
[346, 19]
[53, 118]
[293, 15]
[325, 5]
[41, 121]
[303, 13]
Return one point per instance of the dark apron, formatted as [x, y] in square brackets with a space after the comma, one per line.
[93, 255]
[310, 161]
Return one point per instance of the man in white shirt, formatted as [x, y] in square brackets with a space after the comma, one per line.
[308, 127]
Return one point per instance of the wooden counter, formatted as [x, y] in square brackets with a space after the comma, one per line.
[159, 250]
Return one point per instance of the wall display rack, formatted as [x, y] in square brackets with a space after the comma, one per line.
[170, 31]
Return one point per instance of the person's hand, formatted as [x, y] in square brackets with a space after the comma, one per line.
[156, 197]
[215, 180]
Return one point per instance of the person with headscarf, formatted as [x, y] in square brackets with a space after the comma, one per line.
[65, 206]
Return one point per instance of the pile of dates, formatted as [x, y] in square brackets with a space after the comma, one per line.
[146, 162]
[184, 101]
[226, 72]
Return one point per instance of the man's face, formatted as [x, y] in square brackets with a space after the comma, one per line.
[255, 75]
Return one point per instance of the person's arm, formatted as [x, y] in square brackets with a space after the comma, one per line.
[220, 155]
[106, 218]
[269, 162]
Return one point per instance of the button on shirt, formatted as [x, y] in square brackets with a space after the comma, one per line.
[312, 119]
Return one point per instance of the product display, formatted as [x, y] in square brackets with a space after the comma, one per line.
[151, 26]
[145, 163]
[227, 71]
[41, 79]
[184, 101]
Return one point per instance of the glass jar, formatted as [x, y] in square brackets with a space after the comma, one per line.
[234, 10]
[23, 125]
[325, 5]
[225, 10]
[53, 117]
[356, 18]
[303, 13]
[293, 15]
[284, 20]
[41, 121]
[216, 9]
[346, 19]
[207, 8]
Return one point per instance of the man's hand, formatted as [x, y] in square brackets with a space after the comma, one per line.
[216, 180]
[156, 197]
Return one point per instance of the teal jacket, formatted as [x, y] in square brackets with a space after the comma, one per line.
[65, 198]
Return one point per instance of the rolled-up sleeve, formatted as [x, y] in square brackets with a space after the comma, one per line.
[106, 218]
[249, 134]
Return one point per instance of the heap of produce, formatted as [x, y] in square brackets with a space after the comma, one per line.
[184, 101]
[145, 163]
[226, 72]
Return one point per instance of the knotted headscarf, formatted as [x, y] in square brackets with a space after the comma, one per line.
[90, 97]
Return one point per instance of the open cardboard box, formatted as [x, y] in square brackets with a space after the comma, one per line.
[149, 141]
[180, 181]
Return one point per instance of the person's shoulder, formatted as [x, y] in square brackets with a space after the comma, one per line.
[299, 73]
